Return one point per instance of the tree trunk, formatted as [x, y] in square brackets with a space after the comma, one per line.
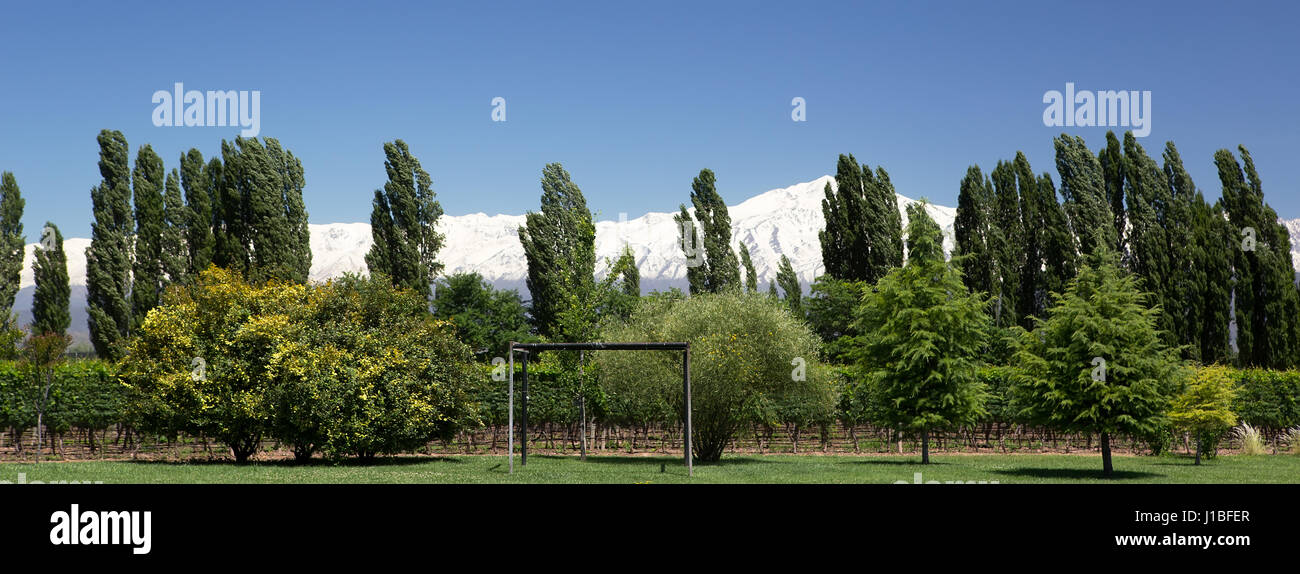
[925, 447]
[1106, 468]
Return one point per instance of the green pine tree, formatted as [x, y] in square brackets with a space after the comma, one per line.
[922, 332]
[1007, 245]
[52, 297]
[1098, 363]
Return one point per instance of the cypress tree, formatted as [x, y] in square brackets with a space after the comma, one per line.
[53, 295]
[751, 276]
[146, 271]
[403, 223]
[719, 271]
[560, 246]
[108, 260]
[973, 230]
[789, 283]
[1083, 188]
[630, 276]
[1058, 246]
[198, 211]
[12, 243]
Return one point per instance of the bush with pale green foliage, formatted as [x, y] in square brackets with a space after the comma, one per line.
[748, 353]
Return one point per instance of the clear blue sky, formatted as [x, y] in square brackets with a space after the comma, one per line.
[635, 99]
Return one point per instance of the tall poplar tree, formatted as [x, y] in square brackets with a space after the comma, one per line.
[150, 218]
[51, 300]
[863, 238]
[719, 270]
[1083, 190]
[198, 212]
[403, 222]
[108, 259]
[972, 228]
[789, 282]
[751, 276]
[560, 246]
[12, 243]
[174, 253]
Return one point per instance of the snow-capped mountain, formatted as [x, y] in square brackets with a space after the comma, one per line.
[778, 222]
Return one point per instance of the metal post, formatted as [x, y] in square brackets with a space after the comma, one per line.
[582, 398]
[686, 384]
[511, 417]
[523, 439]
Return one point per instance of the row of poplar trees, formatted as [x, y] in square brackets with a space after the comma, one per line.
[705, 240]
[153, 228]
[1206, 265]
[50, 301]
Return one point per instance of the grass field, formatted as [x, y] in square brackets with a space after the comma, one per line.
[1004, 469]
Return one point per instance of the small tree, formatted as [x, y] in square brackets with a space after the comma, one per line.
[1098, 364]
[746, 351]
[1204, 408]
[40, 355]
[922, 332]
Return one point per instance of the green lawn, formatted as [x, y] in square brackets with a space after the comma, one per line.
[1005, 469]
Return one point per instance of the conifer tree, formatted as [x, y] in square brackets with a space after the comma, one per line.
[108, 259]
[922, 332]
[1098, 362]
[1114, 169]
[51, 300]
[1149, 202]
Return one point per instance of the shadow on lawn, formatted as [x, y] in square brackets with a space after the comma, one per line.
[897, 462]
[315, 462]
[649, 461]
[1076, 473]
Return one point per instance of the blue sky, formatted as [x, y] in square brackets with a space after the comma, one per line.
[634, 99]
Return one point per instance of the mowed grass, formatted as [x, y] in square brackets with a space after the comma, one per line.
[1004, 469]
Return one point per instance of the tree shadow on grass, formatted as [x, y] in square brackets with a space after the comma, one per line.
[1076, 474]
[896, 462]
[649, 461]
[315, 462]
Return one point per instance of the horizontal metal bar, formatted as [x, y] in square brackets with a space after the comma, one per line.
[670, 346]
